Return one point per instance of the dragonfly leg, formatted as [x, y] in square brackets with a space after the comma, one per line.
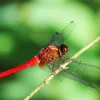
[62, 59]
[54, 63]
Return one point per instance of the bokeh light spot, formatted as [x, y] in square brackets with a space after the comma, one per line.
[6, 43]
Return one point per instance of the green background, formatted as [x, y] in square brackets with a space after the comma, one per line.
[26, 26]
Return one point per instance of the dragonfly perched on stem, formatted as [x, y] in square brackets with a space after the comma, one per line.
[55, 50]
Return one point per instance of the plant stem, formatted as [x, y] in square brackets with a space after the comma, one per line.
[62, 67]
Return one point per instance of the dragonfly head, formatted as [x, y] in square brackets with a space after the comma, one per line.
[64, 49]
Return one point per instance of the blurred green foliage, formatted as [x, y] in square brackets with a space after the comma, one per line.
[28, 25]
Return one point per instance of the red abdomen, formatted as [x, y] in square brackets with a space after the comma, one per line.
[32, 62]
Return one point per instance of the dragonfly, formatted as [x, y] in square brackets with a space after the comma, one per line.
[56, 50]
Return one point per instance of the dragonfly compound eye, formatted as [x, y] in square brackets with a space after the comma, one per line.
[64, 49]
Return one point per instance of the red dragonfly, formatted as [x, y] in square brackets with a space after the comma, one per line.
[50, 54]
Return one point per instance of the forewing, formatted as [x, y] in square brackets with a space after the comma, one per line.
[58, 38]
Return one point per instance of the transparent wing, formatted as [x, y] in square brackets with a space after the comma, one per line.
[58, 38]
[84, 70]
[77, 78]
[84, 73]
